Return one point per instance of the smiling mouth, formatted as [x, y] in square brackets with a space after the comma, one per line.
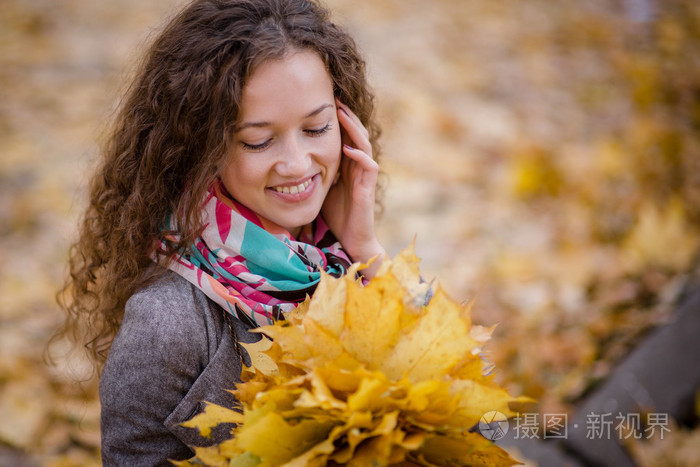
[294, 189]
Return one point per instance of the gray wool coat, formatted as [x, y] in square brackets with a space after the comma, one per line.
[173, 351]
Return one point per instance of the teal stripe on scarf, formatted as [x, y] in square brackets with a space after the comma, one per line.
[262, 252]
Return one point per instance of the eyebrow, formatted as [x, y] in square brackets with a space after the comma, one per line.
[264, 124]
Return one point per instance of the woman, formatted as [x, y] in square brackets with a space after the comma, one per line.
[242, 164]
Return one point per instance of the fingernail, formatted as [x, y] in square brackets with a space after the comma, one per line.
[344, 111]
[347, 147]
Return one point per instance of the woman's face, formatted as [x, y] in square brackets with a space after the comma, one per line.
[287, 141]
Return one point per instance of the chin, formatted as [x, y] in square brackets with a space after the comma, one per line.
[298, 221]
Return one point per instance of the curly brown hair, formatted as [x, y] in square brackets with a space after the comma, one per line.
[171, 134]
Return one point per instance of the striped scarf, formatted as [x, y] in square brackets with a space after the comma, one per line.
[252, 267]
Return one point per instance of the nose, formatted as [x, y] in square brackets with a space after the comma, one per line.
[294, 160]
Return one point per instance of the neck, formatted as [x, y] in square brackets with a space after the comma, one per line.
[295, 232]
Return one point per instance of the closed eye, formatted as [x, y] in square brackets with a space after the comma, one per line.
[256, 147]
[319, 131]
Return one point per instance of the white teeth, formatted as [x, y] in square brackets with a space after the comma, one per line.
[294, 189]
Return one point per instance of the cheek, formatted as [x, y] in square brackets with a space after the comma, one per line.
[230, 168]
[334, 150]
[239, 172]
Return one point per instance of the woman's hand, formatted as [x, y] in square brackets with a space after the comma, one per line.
[349, 206]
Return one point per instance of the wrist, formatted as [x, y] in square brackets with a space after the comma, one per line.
[376, 255]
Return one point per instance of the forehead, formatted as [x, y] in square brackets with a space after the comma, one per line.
[297, 76]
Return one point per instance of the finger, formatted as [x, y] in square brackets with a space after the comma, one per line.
[348, 111]
[357, 134]
[361, 157]
[353, 127]
[360, 171]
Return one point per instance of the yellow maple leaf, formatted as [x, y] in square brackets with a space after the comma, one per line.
[212, 416]
[467, 449]
[263, 362]
[436, 342]
[372, 304]
[276, 440]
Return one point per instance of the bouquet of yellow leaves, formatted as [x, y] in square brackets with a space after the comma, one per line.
[363, 375]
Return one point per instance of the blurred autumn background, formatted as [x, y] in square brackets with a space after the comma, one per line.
[545, 156]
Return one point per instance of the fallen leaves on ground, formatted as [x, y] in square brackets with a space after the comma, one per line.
[545, 155]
